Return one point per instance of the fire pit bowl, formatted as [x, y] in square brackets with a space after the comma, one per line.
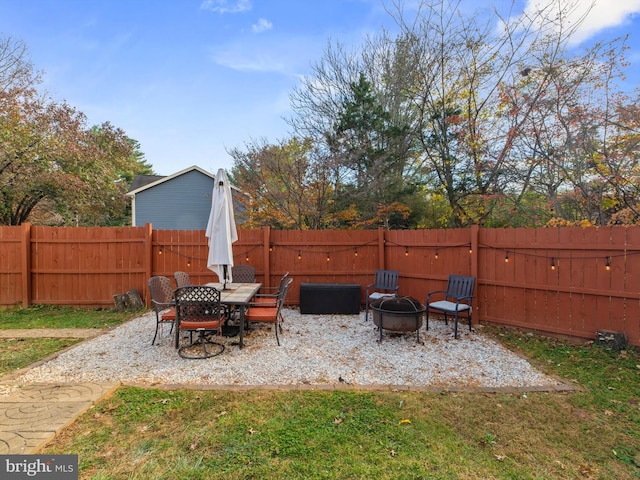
[398, 314]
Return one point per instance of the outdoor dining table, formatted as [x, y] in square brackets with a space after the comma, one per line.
[237, 295]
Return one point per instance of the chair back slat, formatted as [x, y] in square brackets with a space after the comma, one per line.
[385, 280]
[460, 286]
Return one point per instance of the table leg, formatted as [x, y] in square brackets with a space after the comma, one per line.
[240, 343]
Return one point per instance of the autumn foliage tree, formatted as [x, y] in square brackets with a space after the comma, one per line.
[286, 190]
[54, 167]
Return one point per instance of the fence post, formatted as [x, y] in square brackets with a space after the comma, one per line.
[26, 264]
[381, 249]
[149, 266]
[475, 230]
[266, 258]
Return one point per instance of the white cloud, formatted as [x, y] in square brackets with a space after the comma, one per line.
[285, 54]
[257, 60]
[226, 6]
[262, 26]
[603, 14]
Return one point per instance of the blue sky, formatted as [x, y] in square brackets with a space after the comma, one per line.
[190, 79]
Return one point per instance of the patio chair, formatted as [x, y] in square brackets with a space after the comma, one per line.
[162, 302]
[385, 284]
[243, 274]
[198, 311]
[268, 296]
[270, 314]
[457, 300]
[182, 279]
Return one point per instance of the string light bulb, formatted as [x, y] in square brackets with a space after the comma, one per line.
[160, 251]
[328, 257]
[436, 255]
[608, 265]
[299, 254]
[189, 262]
[406, 251]
[506, 257]
[356, 252]
[247, 257]
[553, 263]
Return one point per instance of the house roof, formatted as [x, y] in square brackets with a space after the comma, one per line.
[149, 181]
[142, 180]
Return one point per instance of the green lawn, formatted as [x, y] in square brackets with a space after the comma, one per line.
[16, 353]
[47, 316]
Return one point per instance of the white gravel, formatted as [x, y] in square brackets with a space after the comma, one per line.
[314, 350]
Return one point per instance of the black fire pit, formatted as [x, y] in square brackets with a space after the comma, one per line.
[398, 314]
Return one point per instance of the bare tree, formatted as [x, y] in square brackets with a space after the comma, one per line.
[354, 109]
[16, 70]
[492, 111]
[467, 130]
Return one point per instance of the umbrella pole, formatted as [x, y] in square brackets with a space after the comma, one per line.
[224, 279]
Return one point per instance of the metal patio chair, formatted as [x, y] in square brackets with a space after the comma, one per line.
[162, 302]
[268, 296]
[456, 300]
[198, 311]
[182, 279]
[270, 314]
[385, 284]
[243, 274]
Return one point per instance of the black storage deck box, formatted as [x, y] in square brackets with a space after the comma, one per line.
[341, 298]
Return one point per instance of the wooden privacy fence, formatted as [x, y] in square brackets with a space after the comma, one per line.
[570, 281]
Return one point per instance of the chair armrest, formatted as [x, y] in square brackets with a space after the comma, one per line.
[469, 298]
[163, 305]
[262, 305]
[264, 300]
[269, 289]
[265, 295]
[432, 293]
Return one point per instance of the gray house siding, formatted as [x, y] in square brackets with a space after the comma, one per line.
[183, 203]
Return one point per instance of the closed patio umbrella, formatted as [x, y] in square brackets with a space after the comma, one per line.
[221, 229]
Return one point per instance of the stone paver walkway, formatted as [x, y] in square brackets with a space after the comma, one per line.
[30, 415]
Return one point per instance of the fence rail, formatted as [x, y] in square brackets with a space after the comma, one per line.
[569, 281]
